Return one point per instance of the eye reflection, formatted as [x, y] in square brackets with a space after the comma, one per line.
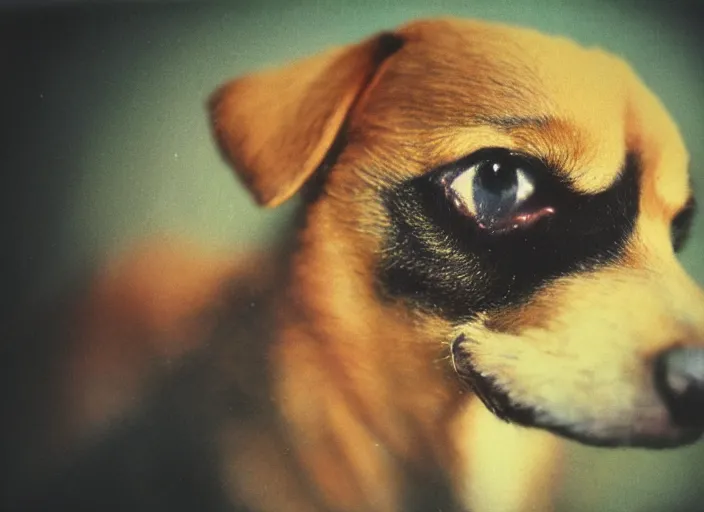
[493, 189]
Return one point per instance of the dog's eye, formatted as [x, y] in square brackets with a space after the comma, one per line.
[493, 189]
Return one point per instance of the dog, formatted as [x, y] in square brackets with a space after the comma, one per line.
[483, 264]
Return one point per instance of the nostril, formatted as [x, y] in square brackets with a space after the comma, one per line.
[679, 377]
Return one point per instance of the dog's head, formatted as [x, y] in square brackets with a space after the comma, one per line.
[526, 194]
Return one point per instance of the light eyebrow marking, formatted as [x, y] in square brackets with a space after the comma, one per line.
[563, 145]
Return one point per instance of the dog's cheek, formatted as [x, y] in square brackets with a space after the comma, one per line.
[536, 377]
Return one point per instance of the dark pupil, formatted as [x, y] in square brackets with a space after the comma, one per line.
[494, 188]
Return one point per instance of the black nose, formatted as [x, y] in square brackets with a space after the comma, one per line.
[679, 377]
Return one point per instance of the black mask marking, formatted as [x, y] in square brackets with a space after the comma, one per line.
[682, 225]
[440, 260]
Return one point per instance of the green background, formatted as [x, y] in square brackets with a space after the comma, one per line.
[110, 143]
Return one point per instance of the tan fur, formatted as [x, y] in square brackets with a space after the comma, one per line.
[315, 95]
[364, 388]
[504, 464]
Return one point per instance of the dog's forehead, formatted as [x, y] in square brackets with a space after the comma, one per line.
[467, 84]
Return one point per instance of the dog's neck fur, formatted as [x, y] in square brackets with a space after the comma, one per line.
[354, 437]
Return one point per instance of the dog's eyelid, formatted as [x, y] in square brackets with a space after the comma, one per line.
[457, 166]
[539, 169]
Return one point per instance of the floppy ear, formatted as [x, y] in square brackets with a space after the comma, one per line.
[276, 127]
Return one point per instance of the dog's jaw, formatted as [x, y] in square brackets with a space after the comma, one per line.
[492, 396]
[643, 431]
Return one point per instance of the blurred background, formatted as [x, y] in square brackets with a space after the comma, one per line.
[105, 141]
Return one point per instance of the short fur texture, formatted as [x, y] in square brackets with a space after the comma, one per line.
[337, 375]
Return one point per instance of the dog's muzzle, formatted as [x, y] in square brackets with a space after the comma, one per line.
[678, 376]
[494, 398]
